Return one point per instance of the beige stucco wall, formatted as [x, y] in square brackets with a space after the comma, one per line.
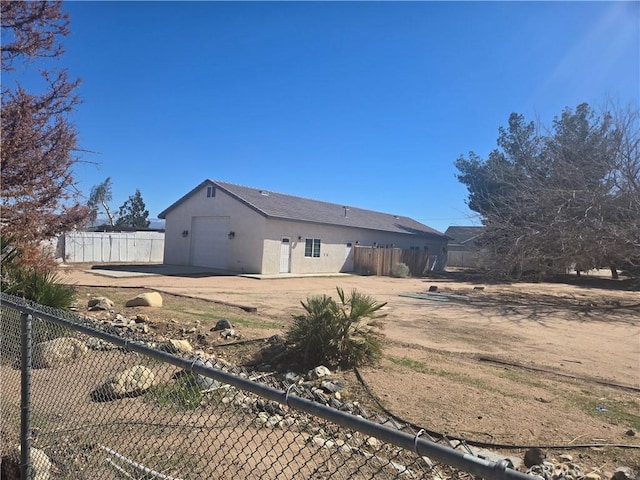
[334, 241]
[244, 250]
[256, 245]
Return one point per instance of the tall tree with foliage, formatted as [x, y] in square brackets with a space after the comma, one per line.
[100, 196]
[133, 212]
[562, 196]
[37, 194]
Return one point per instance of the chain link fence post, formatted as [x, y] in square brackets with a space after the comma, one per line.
[25, 396]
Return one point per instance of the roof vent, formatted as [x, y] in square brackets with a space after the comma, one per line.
[345, 211]
[265, 193]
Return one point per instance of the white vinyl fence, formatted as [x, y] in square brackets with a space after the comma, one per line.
[111, 247]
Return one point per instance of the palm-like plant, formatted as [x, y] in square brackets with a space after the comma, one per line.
[344, 333]
[40, 285]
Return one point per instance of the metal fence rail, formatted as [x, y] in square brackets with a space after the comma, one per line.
[98, 405]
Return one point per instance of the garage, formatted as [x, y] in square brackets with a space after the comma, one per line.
[210, 242]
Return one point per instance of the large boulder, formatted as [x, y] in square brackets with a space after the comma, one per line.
[131, 382]
[10, 465]
[148, 299]
[57, 352]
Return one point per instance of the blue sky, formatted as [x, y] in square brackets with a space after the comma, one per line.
[365, 104]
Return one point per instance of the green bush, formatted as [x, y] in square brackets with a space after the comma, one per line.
[336, 334]
[38, 285]
[42, 287]
[400, 270]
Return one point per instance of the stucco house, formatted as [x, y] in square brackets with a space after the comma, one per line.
[241, 229]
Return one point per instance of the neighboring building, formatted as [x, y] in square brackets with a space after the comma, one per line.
[240, 229]
[464, 249]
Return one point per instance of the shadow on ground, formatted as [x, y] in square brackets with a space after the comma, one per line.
[160, 269]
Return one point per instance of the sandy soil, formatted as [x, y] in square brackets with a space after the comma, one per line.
[518, 364]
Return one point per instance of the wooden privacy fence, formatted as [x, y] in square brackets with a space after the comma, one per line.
[381, 261]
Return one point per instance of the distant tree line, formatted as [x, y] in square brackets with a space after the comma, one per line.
[559, 197]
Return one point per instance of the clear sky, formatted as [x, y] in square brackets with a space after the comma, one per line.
[365, 104]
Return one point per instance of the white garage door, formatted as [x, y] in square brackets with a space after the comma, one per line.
[209, 241]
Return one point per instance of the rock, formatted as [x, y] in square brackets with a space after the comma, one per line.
[622, 473]
[591, 476]
[565, 457]
[99, 303]
[291, 377]
[534, 456]
[131, 382]
[630, 433]
[40, 464]
[512, 461]
[262, 418]
[229, 333]
[141, 318]
[178, 346]
[319, 372]
[57, 351]
[95, 343]
[322, 442]
[373, 442]
[148, 299]
[205, 383]
[222, 324]
[332, 386]
[275, 340]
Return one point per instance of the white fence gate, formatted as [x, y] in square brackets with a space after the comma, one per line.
[111, 247]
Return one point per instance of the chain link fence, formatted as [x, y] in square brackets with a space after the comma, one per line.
[89, 404]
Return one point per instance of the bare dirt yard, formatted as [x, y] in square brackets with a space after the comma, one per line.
[546, 364]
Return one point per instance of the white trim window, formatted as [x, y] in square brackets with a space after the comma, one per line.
[312, 247]
[211, 191]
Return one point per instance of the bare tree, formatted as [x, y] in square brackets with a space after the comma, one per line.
[38, 194]
[100, 196]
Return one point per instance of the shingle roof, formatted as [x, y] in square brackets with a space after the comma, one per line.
[289, 207]
[461, 235]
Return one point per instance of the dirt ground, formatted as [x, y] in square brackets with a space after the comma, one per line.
[518, 364]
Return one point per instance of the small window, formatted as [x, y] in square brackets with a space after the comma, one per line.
[312, 247]
[211, 191]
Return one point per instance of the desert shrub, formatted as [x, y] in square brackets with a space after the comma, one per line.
[400, 270]
[343, 333]
[40, 285]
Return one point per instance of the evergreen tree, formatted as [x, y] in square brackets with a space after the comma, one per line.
[570, 196]
[133, 212]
